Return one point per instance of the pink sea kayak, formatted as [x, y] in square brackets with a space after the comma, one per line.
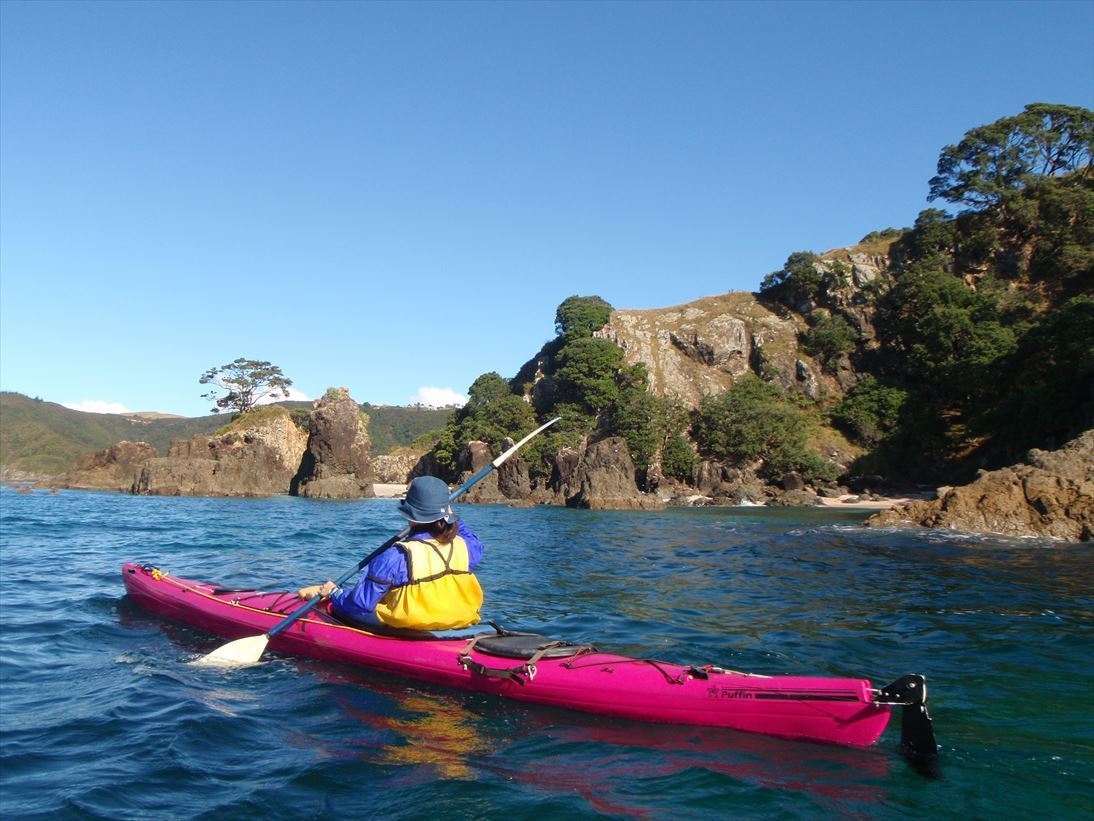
[537, 669]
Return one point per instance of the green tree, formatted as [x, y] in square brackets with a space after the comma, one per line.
[948, 334]
[492, 413]
[796, 282]
[870, 412]
[247, 381]
[754, 420]
[581, 316]
[829, 339]
[991, 161]
[586, 372]
[1050, 382]
[490, 387]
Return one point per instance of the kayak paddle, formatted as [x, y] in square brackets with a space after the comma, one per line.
[250, 649]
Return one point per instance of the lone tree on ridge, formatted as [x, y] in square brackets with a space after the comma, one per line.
[247, 381]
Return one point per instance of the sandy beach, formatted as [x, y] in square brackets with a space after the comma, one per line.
[386, 491]
[851, 501]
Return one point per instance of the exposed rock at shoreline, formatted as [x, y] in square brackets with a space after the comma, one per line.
[474, 458]
[337, 463]
[605, 479]
[1052, 496]
[114, 468]
[257, 455]
[396, 467]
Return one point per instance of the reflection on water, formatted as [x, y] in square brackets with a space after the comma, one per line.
[468, 737]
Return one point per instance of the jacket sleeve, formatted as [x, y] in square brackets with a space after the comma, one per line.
[387, 569]
[474, 546]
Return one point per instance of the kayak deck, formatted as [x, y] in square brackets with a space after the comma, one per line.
[844, 711]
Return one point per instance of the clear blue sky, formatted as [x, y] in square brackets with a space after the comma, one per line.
[391, 197]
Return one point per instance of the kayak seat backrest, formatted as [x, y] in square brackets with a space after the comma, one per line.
[527, 645]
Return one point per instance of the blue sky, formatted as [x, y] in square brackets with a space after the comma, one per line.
[396, 197]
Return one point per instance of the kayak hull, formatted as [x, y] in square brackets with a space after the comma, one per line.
[834, 710]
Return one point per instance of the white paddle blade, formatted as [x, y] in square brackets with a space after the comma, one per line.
[240, 651]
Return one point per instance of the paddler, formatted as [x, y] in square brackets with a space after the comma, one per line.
[424, 582]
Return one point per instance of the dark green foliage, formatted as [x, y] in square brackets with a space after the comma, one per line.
[492, 413]
[679, 458]
[829, 339]
[636, 416]
[797, 281]
[1049, 381]
[586, 372]
[1060, 219]
[575, 424]
[754, 420]
[581, 316]
[247, 381]
[992, 161]
[939, 332]
[883, 234]
[488, 388]
[870, 412]
[931, 240]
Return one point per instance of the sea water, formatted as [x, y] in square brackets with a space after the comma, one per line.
[102, 715]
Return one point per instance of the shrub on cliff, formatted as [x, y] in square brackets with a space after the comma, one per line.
[754, 420]
[581, 316]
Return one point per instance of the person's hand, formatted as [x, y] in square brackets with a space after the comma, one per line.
[313, 590]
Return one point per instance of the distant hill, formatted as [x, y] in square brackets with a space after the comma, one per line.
[44, 438]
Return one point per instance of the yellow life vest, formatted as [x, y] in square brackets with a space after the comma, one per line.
[442, 594]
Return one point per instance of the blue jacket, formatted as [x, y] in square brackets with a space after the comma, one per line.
[385, 571]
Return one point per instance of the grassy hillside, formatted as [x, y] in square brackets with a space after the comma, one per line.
[44, 438]
[391, 427]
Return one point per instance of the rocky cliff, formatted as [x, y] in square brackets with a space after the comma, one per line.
[703, 347]
[1050, 495]
[256, 455]
[263, 453]
[337, 463]
[114, 468]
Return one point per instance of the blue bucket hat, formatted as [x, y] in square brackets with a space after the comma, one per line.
[427, 501]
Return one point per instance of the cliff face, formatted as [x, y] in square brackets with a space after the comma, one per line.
[114, 468]
[256, 456]
[705, 346]
[263, 453]
[337, 463]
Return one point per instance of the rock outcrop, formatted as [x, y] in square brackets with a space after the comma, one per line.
[396, 467]
[1051, 495]
[705, 346]
[605, 479]
[114, 468]
[474, 458]
[337, 463]
[256, 455]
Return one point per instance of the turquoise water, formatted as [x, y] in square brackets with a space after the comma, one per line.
[102, 716]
